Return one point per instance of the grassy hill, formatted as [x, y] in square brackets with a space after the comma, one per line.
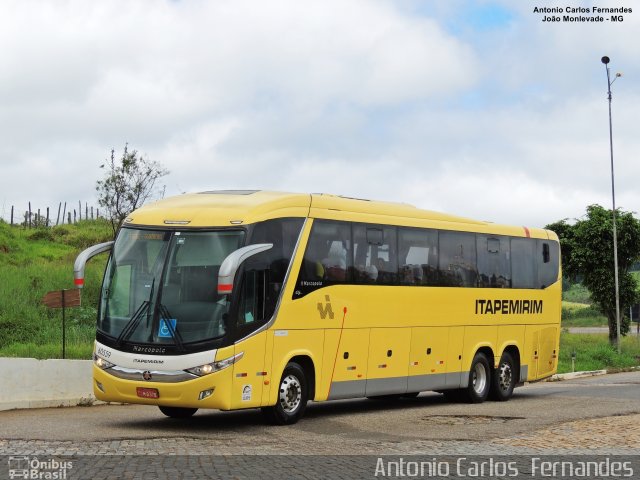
[34, 262]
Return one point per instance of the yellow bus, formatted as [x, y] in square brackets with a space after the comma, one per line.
[252, 299]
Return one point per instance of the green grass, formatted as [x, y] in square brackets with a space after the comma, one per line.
[576, 293]
[581, 315]
[34, 262]
[577, 310]
[593, 352]
[78, 351]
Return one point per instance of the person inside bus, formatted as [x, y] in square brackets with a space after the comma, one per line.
[335, 265]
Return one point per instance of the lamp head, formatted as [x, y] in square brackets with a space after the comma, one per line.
[605, 60]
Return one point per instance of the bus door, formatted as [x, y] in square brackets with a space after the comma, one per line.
[249, 372]
[541, 350]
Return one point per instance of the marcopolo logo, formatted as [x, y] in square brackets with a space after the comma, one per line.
[326, 309]
[35, 468]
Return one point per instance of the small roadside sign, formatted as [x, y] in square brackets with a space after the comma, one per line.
[62, 298]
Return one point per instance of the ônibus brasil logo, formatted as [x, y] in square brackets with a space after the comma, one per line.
[33, 468]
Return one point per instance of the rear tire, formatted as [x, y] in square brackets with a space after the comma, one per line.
[293, 394]
[479, 380]
[503, 380]
[178, 412]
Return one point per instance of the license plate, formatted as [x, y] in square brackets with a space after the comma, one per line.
[147, 392]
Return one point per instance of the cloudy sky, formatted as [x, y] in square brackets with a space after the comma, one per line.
[470, 107]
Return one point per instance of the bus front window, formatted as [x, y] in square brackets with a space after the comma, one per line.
[161, 287]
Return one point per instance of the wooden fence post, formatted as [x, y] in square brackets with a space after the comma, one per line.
[29, 214]
[12, 215]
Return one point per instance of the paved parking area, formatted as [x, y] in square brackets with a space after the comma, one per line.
[597, 415]
[595, 418]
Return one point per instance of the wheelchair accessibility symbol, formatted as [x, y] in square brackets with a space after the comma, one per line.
[163, 330]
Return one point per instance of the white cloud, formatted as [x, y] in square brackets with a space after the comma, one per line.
[399, 101]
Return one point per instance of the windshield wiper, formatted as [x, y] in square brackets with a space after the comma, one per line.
[175, 335]
[134, 321]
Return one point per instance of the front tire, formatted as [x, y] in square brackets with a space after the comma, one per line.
[293, 394]
[504, 379]
[178, 412]
[479, 385]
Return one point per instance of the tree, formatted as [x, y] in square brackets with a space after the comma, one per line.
[587, 251]
[128, 183]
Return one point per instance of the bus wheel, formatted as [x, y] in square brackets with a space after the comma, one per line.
[178, 412]
[292, 400]
[479, 380]
[504, 379]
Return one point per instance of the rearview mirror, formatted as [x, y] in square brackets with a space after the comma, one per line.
[83, 258]
[230, 265]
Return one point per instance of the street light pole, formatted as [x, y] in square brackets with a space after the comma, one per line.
[606, 60]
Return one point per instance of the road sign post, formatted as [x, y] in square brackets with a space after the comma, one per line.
[62, 299]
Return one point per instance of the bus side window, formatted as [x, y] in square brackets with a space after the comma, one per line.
[548, 257]
[376, 259]
[494, 264]
[524, 270]
[252, 298]
[327, 259]
[263, 274]
[418, 256]
[457, 260]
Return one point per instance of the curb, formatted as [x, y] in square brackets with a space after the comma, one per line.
[570, 376]
[31, 383]
[49, 403]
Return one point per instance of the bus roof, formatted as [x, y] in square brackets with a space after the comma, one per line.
[223, 208]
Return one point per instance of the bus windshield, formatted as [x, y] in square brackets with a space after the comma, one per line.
[160, 287]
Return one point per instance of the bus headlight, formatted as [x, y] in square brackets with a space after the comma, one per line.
[101, 362]
[208, 368]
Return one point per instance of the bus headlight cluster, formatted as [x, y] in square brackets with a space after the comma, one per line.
[101, 362]
[208, 368]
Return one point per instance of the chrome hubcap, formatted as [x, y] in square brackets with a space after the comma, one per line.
[479, 378]
[504, 376]
[290, 393]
